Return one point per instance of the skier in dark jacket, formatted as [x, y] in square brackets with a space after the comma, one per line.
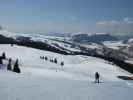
[97, 76]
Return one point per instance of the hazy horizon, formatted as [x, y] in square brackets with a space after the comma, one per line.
[67, 16]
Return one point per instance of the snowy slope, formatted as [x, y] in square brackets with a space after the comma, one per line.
[76, 67]
[41, 79]
[25, 87]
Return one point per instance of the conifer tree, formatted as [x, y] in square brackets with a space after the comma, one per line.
[9, 66]
[3, 55]
[16, 67]
[1, 62]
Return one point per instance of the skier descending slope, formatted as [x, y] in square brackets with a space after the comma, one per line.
[97, 76]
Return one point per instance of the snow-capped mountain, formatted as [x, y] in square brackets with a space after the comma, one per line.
[125, 46]
[95, 38]
[57, 44]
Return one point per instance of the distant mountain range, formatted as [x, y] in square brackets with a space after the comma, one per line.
[56, 34]
[95, 38]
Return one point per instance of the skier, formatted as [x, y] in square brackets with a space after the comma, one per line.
[45, 58]
[97, 76]
[55, 60]
[62, 63]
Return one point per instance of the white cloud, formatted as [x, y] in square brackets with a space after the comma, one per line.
[123, 25]
[125, 20]
[108, 23]
[128, 20]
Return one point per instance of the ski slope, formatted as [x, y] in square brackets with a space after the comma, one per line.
[76, 67]
[42, 79]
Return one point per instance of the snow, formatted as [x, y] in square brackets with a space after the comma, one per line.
[130, 61]
[115, 45]
[130, 41]
[91, 46]
[41, 79]
[53, 41]
[37, 88]
[78, 67]
[101, 33]
[8, 34]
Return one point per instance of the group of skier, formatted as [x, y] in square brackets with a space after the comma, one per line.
[54, 60]
[97, 75]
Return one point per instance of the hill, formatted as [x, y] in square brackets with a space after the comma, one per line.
[40, 79]
[94, 38]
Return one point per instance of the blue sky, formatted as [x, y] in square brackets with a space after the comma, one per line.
[88, 16]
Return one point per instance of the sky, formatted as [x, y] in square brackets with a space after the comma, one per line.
[87, 16]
